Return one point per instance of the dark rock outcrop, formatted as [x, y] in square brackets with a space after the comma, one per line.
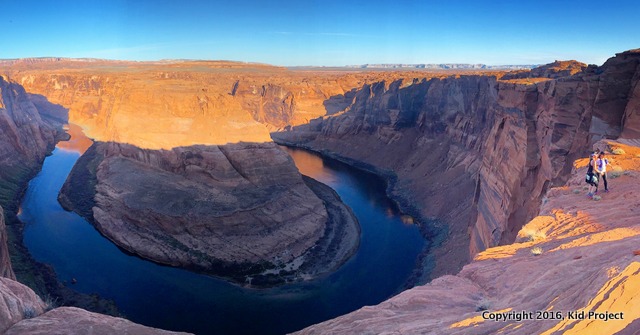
[476, 152]
[5, 260]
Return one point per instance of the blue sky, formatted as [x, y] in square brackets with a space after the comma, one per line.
[310, 32]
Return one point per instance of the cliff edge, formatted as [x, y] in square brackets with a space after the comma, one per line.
[577, 256]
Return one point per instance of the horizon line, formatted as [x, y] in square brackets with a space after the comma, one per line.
[398, 64]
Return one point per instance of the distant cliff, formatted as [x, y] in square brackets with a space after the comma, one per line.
[476, 152]
[445, 66]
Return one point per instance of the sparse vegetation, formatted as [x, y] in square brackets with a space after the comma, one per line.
[577, 191]
[28, 312]
[483, 305]
[534, 235]
[618, 151]
[616, 172]
[597, 198]
[50, 302]
[536, 251]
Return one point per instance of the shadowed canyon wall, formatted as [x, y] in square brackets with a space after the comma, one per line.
[25, 138]
[477, 152]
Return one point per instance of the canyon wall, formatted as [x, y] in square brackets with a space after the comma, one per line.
[574, 269]
[475, 152]
[27, 132]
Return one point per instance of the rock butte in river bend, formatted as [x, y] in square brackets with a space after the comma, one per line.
[499, 145]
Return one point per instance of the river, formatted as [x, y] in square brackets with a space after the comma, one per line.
[176, 299]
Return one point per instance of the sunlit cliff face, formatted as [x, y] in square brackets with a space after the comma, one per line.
[164, 105]
[151, 113]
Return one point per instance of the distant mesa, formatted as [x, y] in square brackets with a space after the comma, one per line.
[553, 70]
[448, 66]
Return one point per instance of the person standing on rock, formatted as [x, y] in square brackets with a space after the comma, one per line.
[592, 178]
[601, 170]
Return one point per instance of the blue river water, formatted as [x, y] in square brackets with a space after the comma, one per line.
[176, 299]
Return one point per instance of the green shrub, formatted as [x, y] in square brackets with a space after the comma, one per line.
[534, 235]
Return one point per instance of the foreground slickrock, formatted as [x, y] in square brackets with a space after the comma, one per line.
[478, 153]
[71, 320]
[588, 260]
[23, 312]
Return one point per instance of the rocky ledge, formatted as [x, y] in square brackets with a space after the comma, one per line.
[23, 312]
[239, 211]
[578, 255]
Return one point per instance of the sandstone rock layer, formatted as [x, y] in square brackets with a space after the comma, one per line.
[477, 152]
[588, 261]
